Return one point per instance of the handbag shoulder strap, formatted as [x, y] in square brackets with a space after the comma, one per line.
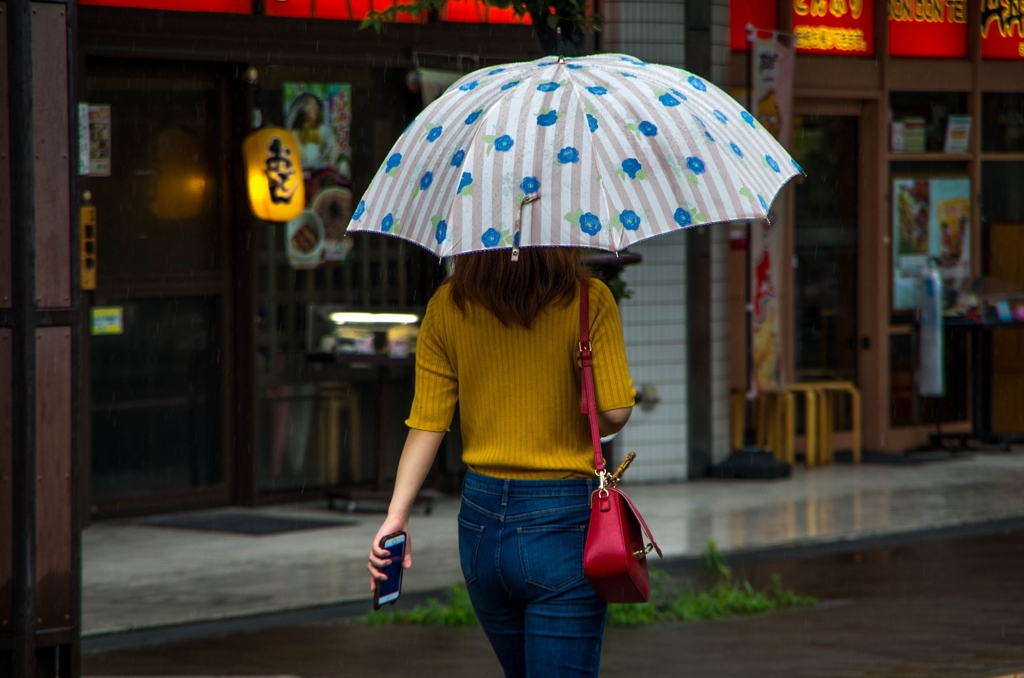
[589, 400]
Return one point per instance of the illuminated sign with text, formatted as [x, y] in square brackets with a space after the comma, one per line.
[1002, 29]
[928, 28]
[843, 27]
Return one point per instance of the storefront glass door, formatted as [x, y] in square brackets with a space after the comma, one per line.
[825, 247]
[158, 346]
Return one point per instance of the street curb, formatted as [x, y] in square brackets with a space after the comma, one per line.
[332, 612]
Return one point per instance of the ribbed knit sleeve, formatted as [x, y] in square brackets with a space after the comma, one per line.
[612, 383]
[437, 384]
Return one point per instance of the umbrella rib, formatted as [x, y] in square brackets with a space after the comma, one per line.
[604, 192]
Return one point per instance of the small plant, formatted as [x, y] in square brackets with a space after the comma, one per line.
[458, 611]
[667, 603]
[725, 597]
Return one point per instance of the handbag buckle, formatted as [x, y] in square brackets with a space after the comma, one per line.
[642, 553]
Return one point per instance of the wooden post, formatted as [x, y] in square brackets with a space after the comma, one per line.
[40, 340]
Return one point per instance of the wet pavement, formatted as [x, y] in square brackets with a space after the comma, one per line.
[137, 576]
[950, 608]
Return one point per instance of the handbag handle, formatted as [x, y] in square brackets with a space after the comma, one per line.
[589, 400]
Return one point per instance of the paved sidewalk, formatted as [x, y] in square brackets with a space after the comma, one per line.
[138, 576]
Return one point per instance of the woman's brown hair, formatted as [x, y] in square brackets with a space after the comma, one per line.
[517, 291]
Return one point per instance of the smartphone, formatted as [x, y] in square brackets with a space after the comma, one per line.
[388, 590]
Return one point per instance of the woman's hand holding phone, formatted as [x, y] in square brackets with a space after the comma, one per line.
[379, 557]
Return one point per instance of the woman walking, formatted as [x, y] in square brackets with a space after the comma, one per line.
[502, 338]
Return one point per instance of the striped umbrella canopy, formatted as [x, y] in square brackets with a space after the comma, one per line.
[599, 151]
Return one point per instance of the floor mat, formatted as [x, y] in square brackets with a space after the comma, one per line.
[241, 522]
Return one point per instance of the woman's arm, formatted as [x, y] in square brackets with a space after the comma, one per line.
[417, 457]
[612, 421]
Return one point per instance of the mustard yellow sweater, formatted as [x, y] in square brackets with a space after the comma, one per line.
[519, 388]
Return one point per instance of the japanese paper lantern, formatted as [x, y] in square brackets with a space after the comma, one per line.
[276, 188]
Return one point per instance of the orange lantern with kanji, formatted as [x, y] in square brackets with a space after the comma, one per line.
[276, 188]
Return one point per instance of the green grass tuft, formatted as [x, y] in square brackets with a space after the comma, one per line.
[725, 598]
[667, 603]
[458, 611]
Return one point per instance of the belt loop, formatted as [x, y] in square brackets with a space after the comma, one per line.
[504, 493]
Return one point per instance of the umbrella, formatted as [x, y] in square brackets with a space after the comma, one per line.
[599, 151]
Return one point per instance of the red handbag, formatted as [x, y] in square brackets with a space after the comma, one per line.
[615, 556]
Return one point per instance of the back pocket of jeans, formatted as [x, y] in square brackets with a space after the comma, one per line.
[552, 555]
[469, 546]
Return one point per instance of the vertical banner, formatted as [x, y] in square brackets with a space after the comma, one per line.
[772, 103]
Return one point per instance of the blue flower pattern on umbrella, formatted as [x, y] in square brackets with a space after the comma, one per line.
[648, 129]
[631, 166]
[490, 238]
[568, 155]
[547, 118]
[629, 220]
[668, 99]
[682, 217]
[590, 224]
[393, 162]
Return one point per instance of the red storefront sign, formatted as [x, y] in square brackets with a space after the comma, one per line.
[759, 13]
[226, 6]
[843, 27]
[928, 28]
[1002, 29]
[461, 11]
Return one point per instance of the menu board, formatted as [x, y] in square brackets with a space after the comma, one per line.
[931, 220]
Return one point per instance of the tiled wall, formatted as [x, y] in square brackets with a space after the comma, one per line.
[721, 443]
[654, 323]
[654, 320]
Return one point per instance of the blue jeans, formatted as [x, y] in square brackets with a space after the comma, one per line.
[521, 547]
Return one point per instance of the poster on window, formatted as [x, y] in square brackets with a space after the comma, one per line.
[772, 101]
[320, 116]
[931, 222]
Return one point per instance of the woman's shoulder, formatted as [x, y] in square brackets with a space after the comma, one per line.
[600, 295]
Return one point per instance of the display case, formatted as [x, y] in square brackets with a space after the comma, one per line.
[337, 332]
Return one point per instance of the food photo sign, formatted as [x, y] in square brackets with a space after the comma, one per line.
[931, 219]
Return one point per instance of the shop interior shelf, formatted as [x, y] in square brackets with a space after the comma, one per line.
[925, 157]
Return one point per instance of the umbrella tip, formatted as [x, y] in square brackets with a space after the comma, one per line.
[558, 39]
